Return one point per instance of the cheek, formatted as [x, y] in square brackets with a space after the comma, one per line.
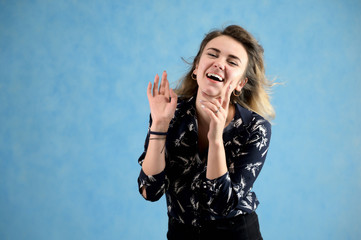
[236, 76]
[239, 74]
[200, 70]
[204, 64]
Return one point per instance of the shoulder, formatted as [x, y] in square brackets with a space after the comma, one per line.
[251, 121]
[184, 115]
[185, 102]
[185, 106]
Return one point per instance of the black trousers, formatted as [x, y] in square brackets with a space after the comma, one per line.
[242, 227]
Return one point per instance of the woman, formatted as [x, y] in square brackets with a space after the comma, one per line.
[207, 140]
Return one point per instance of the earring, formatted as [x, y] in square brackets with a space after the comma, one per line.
[236, 94]
[194, 76]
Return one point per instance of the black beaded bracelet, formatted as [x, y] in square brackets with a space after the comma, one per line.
[158, 133]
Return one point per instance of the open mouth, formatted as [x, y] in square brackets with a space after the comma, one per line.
[215, 77]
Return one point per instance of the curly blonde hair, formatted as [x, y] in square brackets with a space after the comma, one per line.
[255, 94]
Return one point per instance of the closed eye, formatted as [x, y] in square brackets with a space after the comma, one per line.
[233, 63]
[211, 54]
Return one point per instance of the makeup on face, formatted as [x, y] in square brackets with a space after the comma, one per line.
[223, 61]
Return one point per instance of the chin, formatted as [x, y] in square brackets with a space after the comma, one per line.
[209, 94]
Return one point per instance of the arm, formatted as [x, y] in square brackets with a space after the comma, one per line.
[217, 110]
[233, 189]
[162, 111]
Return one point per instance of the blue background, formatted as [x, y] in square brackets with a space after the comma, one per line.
[74, 113]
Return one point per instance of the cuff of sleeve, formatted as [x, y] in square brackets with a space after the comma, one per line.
[215, 184]
[218, 194]
[147, 180]
[154, 185]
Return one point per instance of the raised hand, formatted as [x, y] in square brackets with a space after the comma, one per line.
[162, 102]
[217, 110]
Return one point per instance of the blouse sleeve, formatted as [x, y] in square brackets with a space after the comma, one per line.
[233, 189]
[155, 185]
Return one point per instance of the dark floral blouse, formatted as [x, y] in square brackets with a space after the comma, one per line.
[191, 197]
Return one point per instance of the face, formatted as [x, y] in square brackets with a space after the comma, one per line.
[222, 62]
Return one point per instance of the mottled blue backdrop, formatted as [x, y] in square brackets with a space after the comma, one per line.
[74, 113]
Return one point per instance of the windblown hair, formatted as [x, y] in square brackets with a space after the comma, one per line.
[255, 94]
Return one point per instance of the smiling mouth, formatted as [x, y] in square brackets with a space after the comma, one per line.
[215, 77]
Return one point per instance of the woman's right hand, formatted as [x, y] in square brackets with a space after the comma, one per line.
[161, 108]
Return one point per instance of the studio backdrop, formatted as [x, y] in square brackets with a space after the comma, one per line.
[74, 113]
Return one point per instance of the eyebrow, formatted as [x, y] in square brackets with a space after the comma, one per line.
[231, 56]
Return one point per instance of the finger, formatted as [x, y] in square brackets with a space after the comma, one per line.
[163, 83]
[155, 87]
[166, 89]
[227, 98]
[149, 90]
[212, 105]
[211, 114]
[217, 102]
[173, 98]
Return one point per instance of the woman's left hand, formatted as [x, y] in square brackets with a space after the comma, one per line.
[217, 110]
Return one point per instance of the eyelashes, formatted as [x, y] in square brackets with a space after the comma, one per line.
[233, 63]
[212, 55]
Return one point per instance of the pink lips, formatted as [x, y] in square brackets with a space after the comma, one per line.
[214, 77]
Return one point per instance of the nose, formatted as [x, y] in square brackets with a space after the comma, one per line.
[219, 65]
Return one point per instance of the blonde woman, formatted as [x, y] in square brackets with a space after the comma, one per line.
[208, 140]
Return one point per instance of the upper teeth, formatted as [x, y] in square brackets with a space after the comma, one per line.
[215, 75]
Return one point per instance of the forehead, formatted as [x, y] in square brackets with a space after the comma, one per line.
[228, 46]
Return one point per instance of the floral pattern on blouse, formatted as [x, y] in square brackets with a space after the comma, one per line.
[191, 197]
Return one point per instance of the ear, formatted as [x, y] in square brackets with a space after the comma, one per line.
[195, 69]
[241, 84]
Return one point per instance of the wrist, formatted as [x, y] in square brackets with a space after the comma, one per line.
[156, 127]
[215, 138]
[162, 134]
[216, 143]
